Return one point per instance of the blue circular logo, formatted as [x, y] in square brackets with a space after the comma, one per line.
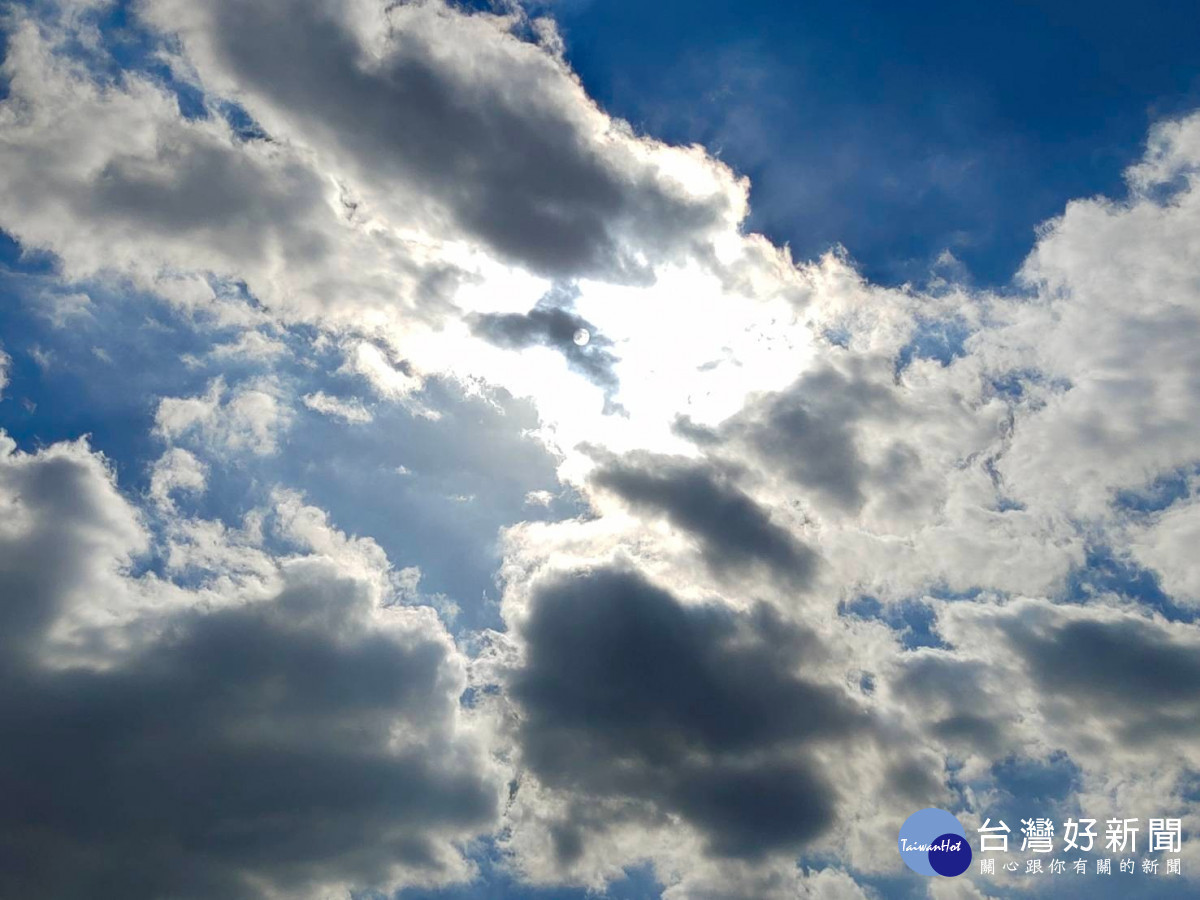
[933, 842]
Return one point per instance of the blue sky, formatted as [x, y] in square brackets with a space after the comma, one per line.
[898, 131]
[443, 454]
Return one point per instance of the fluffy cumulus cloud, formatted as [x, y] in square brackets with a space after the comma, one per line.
[821, 552]
[625, 692]
[485, 135]
[268, 735]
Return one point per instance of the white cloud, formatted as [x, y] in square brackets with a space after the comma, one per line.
[959, 889]
[250, 345]
[249, 419]
[176, 470]
[62, 308]
[1113, 333]
[1168, 546]
[392, 379]
[351, 411]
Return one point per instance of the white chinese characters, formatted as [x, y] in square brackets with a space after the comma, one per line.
[1039, 835]
[1121, 839]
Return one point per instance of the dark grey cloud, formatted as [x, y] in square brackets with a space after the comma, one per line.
[627, 694]
[807, 433]
[1138, 676]
[951, 694]
[488, 129]
[244, 747]
[734, 530]
[201, 189]
[61, 521]
[549, 326]
[979, 732]
[237, 749]
[1125, 661]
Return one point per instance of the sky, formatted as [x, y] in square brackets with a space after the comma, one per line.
[898, 130]
[583, 449]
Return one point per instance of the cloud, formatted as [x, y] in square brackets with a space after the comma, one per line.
[707, 663]
[1098, 661]
[500, 140]
[391, 378]
[62, 308]
[628, 696]
[113, 179]
[734, 531]
[144, 169]
[955, 890]
[808, 432]
[5, 363]
[956, 481]
[311, 231]
[65, 529]
[176, 470]
[252, 345]
[1164, 544]
[732, 882]
[346, 410]
[289, 738]
[682, 731]
[249, 420]
[1115, 326]
[551, 327]
[958, 703]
